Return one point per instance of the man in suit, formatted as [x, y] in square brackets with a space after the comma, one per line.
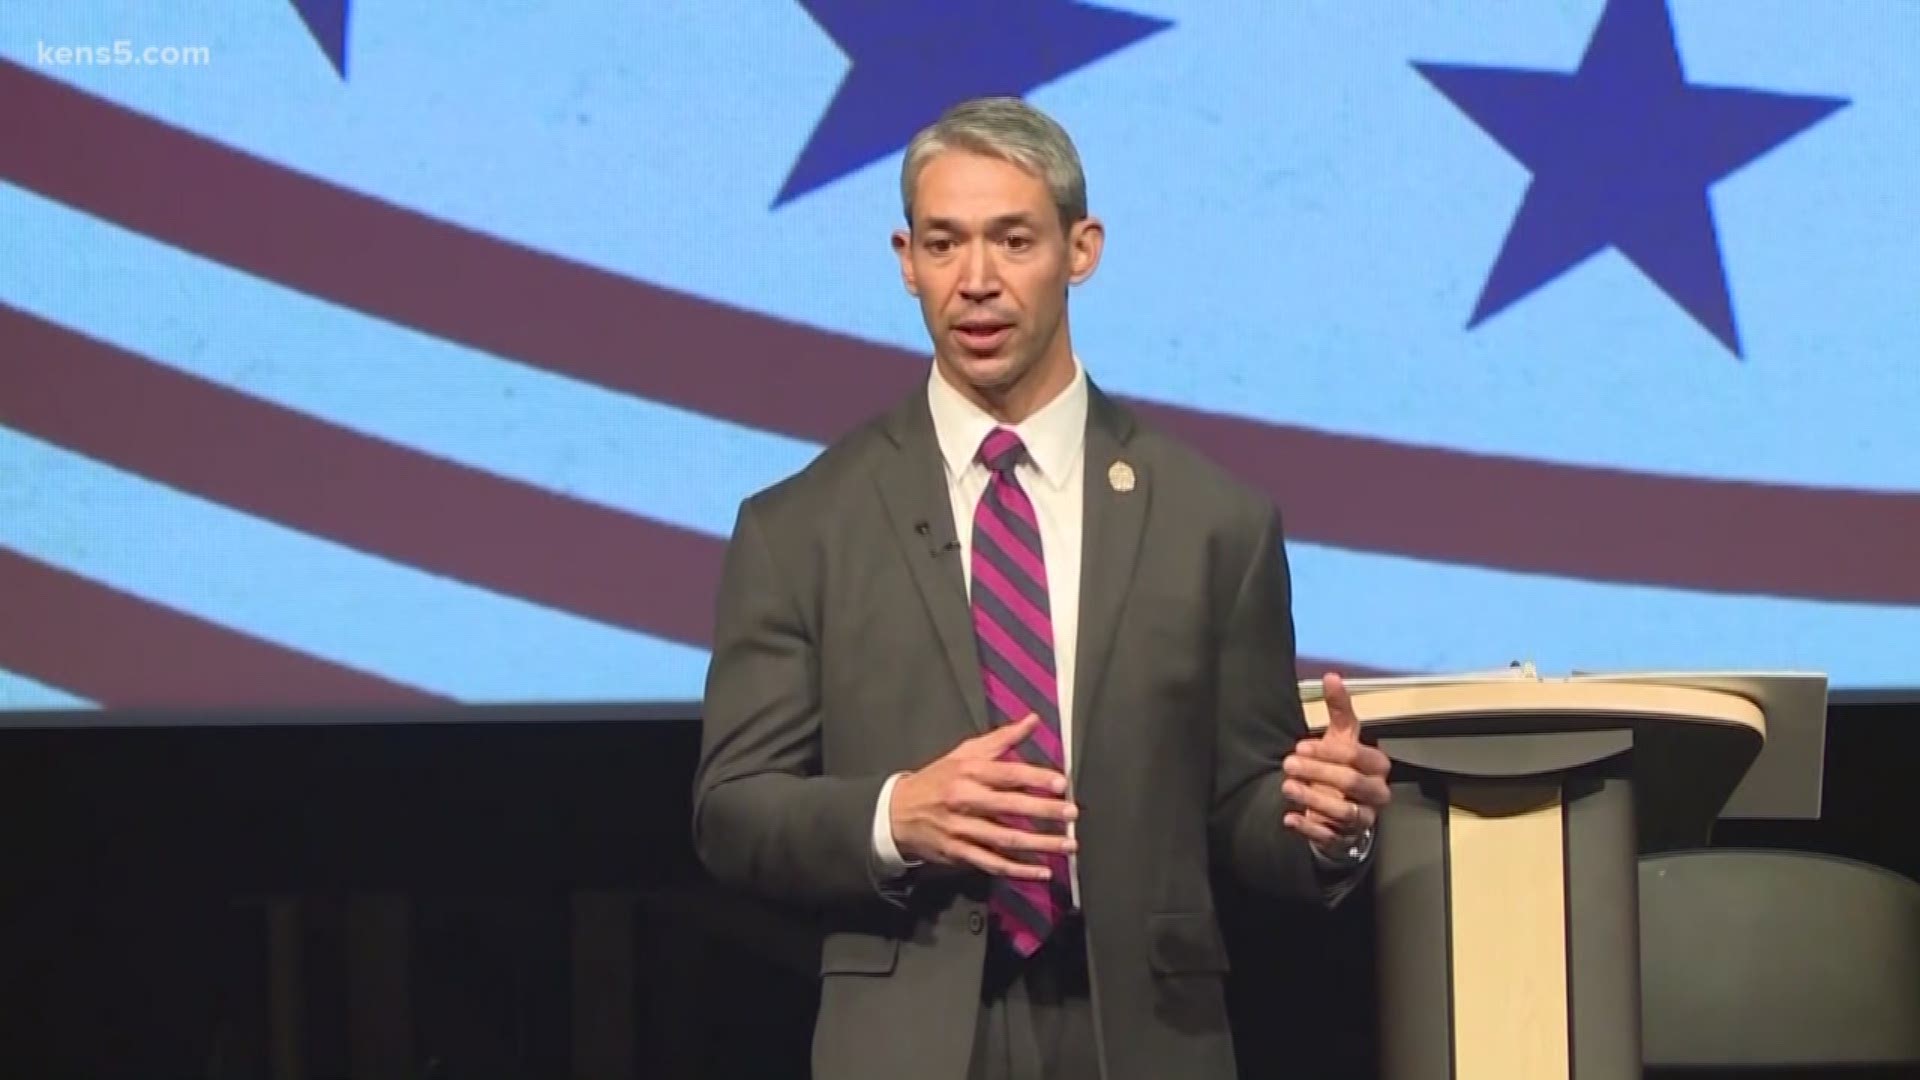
[1000, 676]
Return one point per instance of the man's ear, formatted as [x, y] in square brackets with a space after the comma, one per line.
[903, 247]
[1085, 242]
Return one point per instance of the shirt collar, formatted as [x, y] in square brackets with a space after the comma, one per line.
[1054, 435]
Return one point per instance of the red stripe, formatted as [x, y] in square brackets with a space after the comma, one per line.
[1024, 558]
[1011, 706]
[113, 406]
[1013, 497]
[1449, 506]
[282, 465]
[1036, 621]
[122, 651]
[1007, 649]
[1025, 941]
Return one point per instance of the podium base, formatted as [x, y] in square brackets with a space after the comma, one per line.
[1508, 916]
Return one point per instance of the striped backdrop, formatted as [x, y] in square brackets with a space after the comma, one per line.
[378, 354]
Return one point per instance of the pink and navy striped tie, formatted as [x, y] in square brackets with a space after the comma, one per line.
[1013, 625]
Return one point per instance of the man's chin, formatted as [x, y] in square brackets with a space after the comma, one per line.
[993, 372]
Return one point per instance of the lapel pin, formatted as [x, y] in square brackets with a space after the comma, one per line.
[1120, 477]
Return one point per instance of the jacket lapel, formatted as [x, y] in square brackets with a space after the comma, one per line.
[1117, 490]
[913, 487]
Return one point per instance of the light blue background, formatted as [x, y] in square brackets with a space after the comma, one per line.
[1298, 227]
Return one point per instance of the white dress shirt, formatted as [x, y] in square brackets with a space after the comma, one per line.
[1052, 474]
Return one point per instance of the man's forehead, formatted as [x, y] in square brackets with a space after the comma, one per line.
[976, 189]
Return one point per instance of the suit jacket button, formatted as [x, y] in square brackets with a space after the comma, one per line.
[976, 922]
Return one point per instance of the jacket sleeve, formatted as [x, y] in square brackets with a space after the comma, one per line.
[763, 815]
[1260, 719]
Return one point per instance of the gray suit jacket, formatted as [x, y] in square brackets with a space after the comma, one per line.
[844, 653]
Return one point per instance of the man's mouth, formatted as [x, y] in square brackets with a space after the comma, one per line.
[982, 335]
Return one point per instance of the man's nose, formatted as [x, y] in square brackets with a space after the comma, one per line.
[979, 277]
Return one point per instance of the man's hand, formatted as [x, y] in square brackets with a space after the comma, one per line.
[965, 808]
[1336, 784]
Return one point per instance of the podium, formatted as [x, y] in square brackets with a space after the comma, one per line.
[1507, 879]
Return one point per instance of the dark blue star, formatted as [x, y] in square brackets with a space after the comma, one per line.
[1622, 153]
[327, 21]
[911, 59]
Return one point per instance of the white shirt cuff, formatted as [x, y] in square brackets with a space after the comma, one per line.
[888, 862]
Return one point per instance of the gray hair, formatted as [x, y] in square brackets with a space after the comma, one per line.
[1012, 130]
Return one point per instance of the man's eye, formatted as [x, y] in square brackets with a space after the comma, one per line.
[1019, 243]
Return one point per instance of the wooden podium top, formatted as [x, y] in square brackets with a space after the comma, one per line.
[1530, 702]
[1784, 782]
[1692, 745]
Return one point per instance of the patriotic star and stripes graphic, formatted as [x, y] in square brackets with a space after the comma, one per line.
[909, 60]
[411, 358]
[327, 21]
[1635, 176]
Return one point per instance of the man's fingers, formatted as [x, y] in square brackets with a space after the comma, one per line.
[1326, 802]
[1367, 759]
[980, 858]
[1372, 760]
[1006, 736]
[1348, 781]
[1011, 840]
[987, 802]
[1343, 724]
[1310, 827]
[1018, 776]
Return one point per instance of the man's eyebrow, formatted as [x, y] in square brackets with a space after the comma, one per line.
[1004, 221]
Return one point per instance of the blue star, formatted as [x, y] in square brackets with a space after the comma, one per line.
[1622, 153]
[911, 59]
[327, 21]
